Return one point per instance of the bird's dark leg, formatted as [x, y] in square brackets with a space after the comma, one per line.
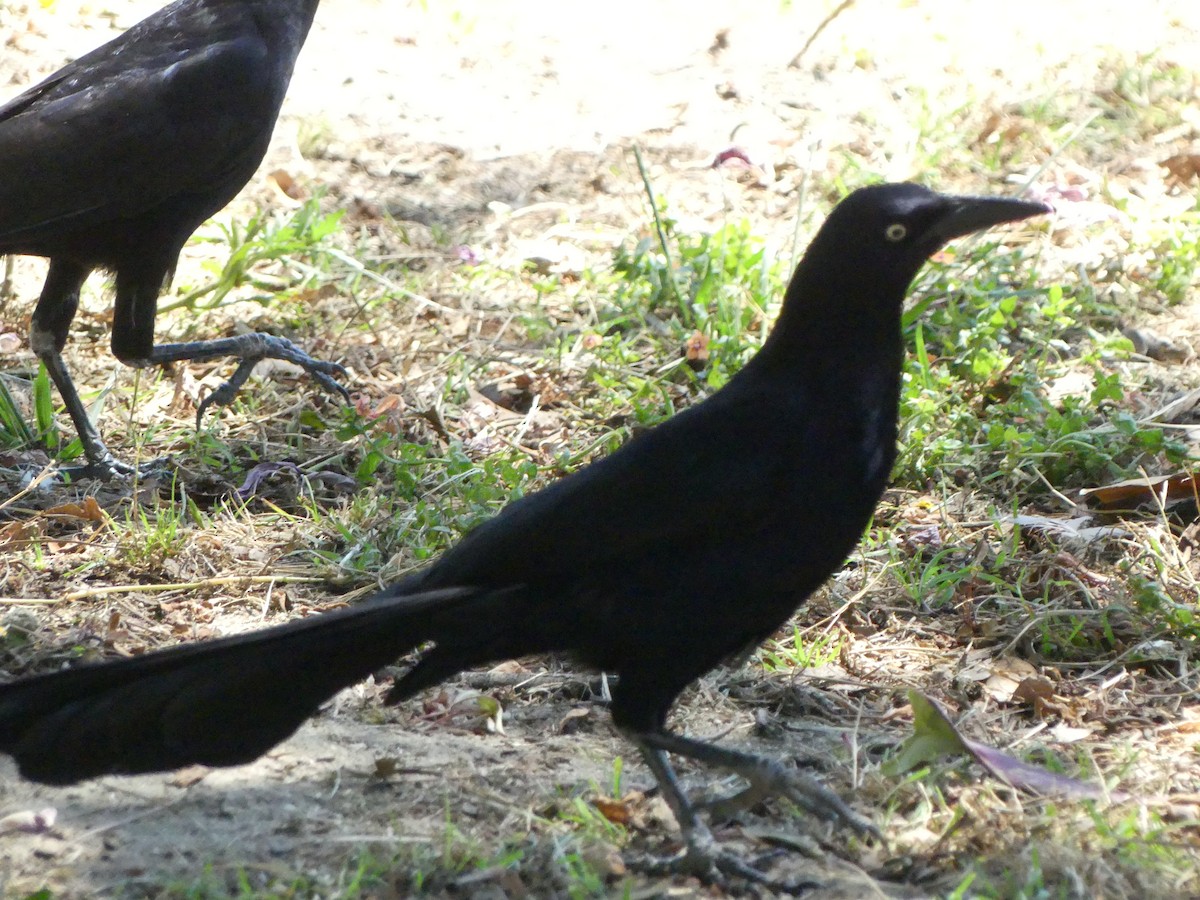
[47, 336]
[701, 856]
[765, 777]
[698, 855]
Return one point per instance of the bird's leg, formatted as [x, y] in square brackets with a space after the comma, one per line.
[101, 464]
[697, 838]
[765, 777]
[701, 856]
[250, 349]
[47, 336]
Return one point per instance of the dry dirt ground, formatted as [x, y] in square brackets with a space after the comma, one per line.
[436, 113]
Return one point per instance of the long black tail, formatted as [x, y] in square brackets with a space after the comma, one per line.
[221, 702]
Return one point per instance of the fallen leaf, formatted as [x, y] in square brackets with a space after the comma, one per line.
[1008, 673]
[17, 532]
[695, 351]
[1038, 692]
[88, 511]
[287, 186]
[616, 811]
[1128, 494]
[923, 536]
[1181, 168]
[934, 736]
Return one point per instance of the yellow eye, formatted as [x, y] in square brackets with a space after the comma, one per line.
[896, 233]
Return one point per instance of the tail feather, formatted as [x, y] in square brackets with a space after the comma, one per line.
[220, 703]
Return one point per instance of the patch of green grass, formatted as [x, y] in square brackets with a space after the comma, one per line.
[423, 504]
[978, 392]
[14, 430]
[149, 537]
[720, 282]
[800, 652]
[264, 237]
[17, 433]
[1175, 258]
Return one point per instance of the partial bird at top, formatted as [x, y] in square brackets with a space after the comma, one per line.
[114, 160]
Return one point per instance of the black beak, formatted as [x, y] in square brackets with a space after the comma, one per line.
[968, 214]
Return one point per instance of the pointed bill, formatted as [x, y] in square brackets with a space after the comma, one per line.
[969, 214]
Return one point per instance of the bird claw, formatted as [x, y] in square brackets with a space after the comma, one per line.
[703, 860]
[326, 380]
[818, 800]
[271, 347]
[107, 467]
[769, 778]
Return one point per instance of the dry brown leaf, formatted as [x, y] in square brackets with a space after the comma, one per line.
[1038, 692]
[1008, 673]
[89, 511]
[287, 186]
[616, 811]
[17, 533]
[1162, 489]
[1003, 127]
[1182, 168]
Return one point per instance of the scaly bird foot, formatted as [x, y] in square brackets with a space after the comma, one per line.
[257, 347]
[702, 859]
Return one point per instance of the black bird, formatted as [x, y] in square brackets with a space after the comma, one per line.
[115, 159]
[695, 541]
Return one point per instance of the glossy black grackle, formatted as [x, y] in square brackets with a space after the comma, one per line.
[694, 541]
[115, 159]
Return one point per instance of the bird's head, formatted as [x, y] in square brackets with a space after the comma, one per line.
[890, 230]
[849, 288]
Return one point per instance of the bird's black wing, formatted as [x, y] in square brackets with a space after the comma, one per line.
[716, 469]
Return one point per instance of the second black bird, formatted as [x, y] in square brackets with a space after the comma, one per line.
[690, 544]
[115, 159]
